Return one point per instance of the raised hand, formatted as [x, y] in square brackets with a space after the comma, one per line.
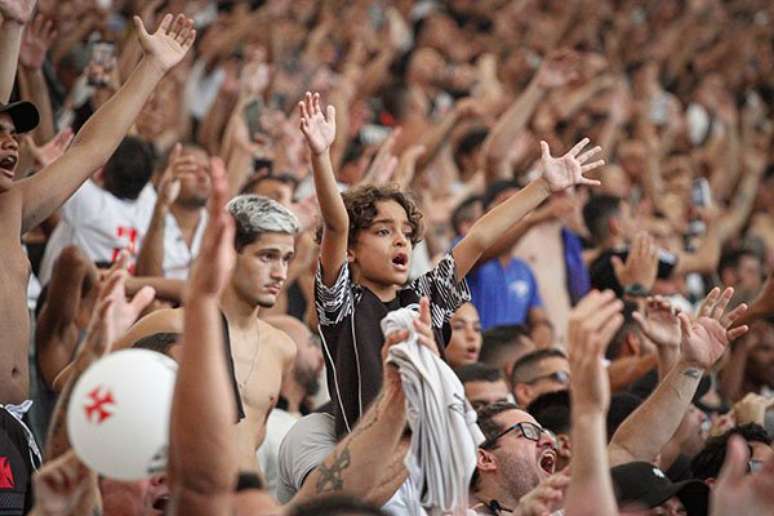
[36, 41]
[61, 485]
[659, 322]
[51, 151]
[385, 162]
[19, 11]
[592, 324]
[705, 339]
[737, 493]
[169, 185]
[318, 128]
[641, 265]
[752, 409]
[566, 171]
[171, 41]
[546, 498]
[559, 68]
[217, 256]
[121, 313]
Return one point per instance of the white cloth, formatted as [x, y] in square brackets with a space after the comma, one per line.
[178, 257]
[277, 427]
[445, 435]
[100, 224]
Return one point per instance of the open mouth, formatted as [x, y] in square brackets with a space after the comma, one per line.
[8, 163]
[548, 461]
[160, 503]
[400, 260]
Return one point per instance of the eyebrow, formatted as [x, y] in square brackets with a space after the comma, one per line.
[388, 221]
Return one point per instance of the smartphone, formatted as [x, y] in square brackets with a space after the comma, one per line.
[103, 55]
[252, 113]
[701, 195]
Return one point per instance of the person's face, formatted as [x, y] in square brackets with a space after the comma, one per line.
[195, 186]
[465, 343]
[382, 252]
[549, 375]
[142, 498]
[9, 151]
[761, 451]
[672, 507]
[749, 273]
[522, 463]
[760, 360]
[276, 190]
[262, 268]
[481, 394]
[690, 433]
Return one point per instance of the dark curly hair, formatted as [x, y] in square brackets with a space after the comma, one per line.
[361, 209]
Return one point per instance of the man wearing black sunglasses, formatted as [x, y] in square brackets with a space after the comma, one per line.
[516, 455]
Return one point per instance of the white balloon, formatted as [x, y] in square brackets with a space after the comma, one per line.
[118, 417]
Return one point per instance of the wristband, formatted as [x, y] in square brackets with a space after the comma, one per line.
[636, 290]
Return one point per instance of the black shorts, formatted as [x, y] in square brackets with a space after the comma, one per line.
[15, 467]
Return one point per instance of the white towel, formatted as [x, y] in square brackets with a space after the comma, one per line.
[445, 435]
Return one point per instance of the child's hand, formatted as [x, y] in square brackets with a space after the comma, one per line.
[564, 172]
[319, 128]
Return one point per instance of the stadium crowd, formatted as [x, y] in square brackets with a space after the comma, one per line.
[398, 257]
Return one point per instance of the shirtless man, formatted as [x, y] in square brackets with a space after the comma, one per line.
[25, 204]
[261, 355]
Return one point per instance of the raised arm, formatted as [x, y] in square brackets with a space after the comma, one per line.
[150, 261]
[47, 190]
[320, 131]
[15, 15]
[555, 71]
[593, 323]
[203, 463]
[37, 39]
[703, 342]
[557, 174]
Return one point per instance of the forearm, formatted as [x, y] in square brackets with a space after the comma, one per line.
[436, 137]
[334, 213]
[92, 147]
[150, 261]
[726, 171]
[731, 377]
[500, 138]
[395, 473]
[489, 228]
[10, 43]
[705, 259]
[168, 289]
[741, 207]
[204, 455]
[33, 87]
[591, 489]
[637, 438]
[348, 470]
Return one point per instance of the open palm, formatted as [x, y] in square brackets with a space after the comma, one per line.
[318, 128]
[704, 341]
[169, 44]
[659, 323]
[566, 171]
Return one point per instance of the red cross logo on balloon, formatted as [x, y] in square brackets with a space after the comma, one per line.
[97, 405]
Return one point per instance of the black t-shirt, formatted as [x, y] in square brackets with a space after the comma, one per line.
[603, 275]
[15, 467]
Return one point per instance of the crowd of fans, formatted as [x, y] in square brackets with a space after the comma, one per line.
[573, 198]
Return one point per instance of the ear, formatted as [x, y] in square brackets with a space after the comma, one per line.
[632, 344]
[614, 225]
[350, 256]
[486, 461]
[564, 445]
[523, 393]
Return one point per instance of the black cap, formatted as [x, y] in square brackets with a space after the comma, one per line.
[24, 115]
[643, 483]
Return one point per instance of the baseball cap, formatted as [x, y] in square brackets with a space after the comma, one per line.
[24, 115]
[642, 482]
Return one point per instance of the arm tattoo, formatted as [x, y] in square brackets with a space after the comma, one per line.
[330, 476]
[692, 372]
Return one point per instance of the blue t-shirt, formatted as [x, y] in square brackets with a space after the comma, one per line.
[503, 295]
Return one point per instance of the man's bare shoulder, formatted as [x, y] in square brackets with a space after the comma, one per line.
[169, 320]
[278, 339]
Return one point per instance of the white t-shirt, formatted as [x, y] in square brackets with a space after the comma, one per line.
[100, 224]
[178, 257]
